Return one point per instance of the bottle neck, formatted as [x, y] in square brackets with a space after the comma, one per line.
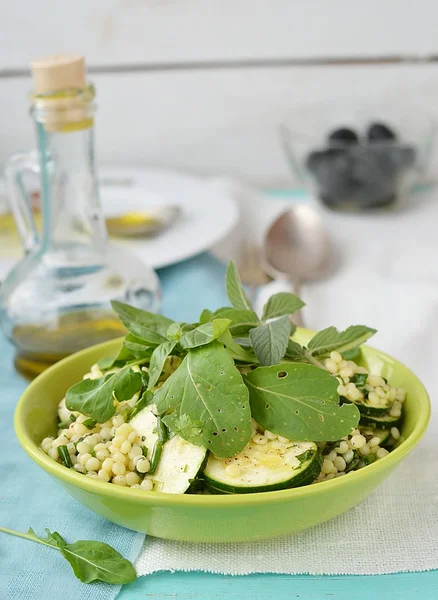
[71, 212]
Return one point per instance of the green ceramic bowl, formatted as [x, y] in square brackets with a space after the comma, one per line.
[200, 518]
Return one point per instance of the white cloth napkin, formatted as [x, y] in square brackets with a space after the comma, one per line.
[387, 278]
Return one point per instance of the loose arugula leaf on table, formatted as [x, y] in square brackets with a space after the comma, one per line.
[235, 291]
[242, 321]
[147, 326]
[281, 304]
[270, 341]
[90, 561]
[158, 359]
[300, 402]
[331, 339]
[95, 397]
[208, 389]
[204, 334]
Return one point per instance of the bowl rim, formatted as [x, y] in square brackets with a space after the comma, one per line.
[102, 488]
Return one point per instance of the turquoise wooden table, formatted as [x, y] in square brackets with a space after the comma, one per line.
[187, 289]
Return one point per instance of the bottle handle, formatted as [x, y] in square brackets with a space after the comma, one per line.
[19, 198]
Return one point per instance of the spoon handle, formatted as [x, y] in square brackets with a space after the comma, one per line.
[297, 318]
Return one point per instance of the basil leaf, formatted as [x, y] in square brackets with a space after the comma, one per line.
[204, 334]
[95, 397]
[331, 339]
[270, 341]
[90, 561]
[148, 326]
[119, 360]
[209, 389]
[206, 316]
[241, 320]
[281, 304]
[158, 359]
[137, 347]
[295, 351]
[93, 561]
[235, 291]
[300, 402]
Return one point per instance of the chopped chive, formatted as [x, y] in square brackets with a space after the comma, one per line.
[144, 450]
[360, 380]
[155, 458]
[65, 456]
[89, 423]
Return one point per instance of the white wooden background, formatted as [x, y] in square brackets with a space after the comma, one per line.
[202, 85]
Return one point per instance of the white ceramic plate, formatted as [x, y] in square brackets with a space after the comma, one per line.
[209, 213]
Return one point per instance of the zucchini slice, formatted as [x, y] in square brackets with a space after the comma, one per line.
[383, 434]
[258, 468]
[373, 411]
[179, 465]
[180, 461]
[385, 422]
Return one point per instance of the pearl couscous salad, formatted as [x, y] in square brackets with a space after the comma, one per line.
[230, 404]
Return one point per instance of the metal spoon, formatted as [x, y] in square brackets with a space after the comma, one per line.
[297, 247]
[146, 222]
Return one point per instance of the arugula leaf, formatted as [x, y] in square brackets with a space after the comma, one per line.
[158, 359]
[270, 341]
[331, 339]
[137, 347]
[235, 291]
[241, 320]
[204, 334]
[208, 388]
[206, 316]
[300, 402]
[95, 397]
[281, 304]
[90, 561]
[150, 327]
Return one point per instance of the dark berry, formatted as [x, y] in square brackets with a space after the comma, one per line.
[343, 135]
[379, 132]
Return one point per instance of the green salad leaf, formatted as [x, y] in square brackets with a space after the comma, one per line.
[204, 334]
[136, 347]
[331, 339]
[235, 291]
[158, 359]
[300, 402]
[147, 326]
[206, 316]
[208, 389]
[270, 341]
[242, 321]
[90, 561]
[281, 304]
[95, 397]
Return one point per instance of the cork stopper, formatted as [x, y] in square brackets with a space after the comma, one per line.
[58, 72]
[61, 96]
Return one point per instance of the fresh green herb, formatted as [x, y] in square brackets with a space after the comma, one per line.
[66, 424]
[209, 389]
[158, 359]
[206, 316]
[331, 339]
[65, 456]
[136, 348]
[90, 561]
[305, 456]
[95, 397]
[174, 332]
[353, 354]
[242, 321]
[281, 304]
[144, 450]
[300, 402]
[158, 447]
[89, 423]
[295, 352]
[122, 357]
[149, 327]
[360, 380]
[235, 291]
[270, 341]
[186, 427]
[204, 334]
[145, 399]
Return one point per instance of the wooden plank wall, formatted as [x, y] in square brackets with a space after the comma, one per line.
[202, 85]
